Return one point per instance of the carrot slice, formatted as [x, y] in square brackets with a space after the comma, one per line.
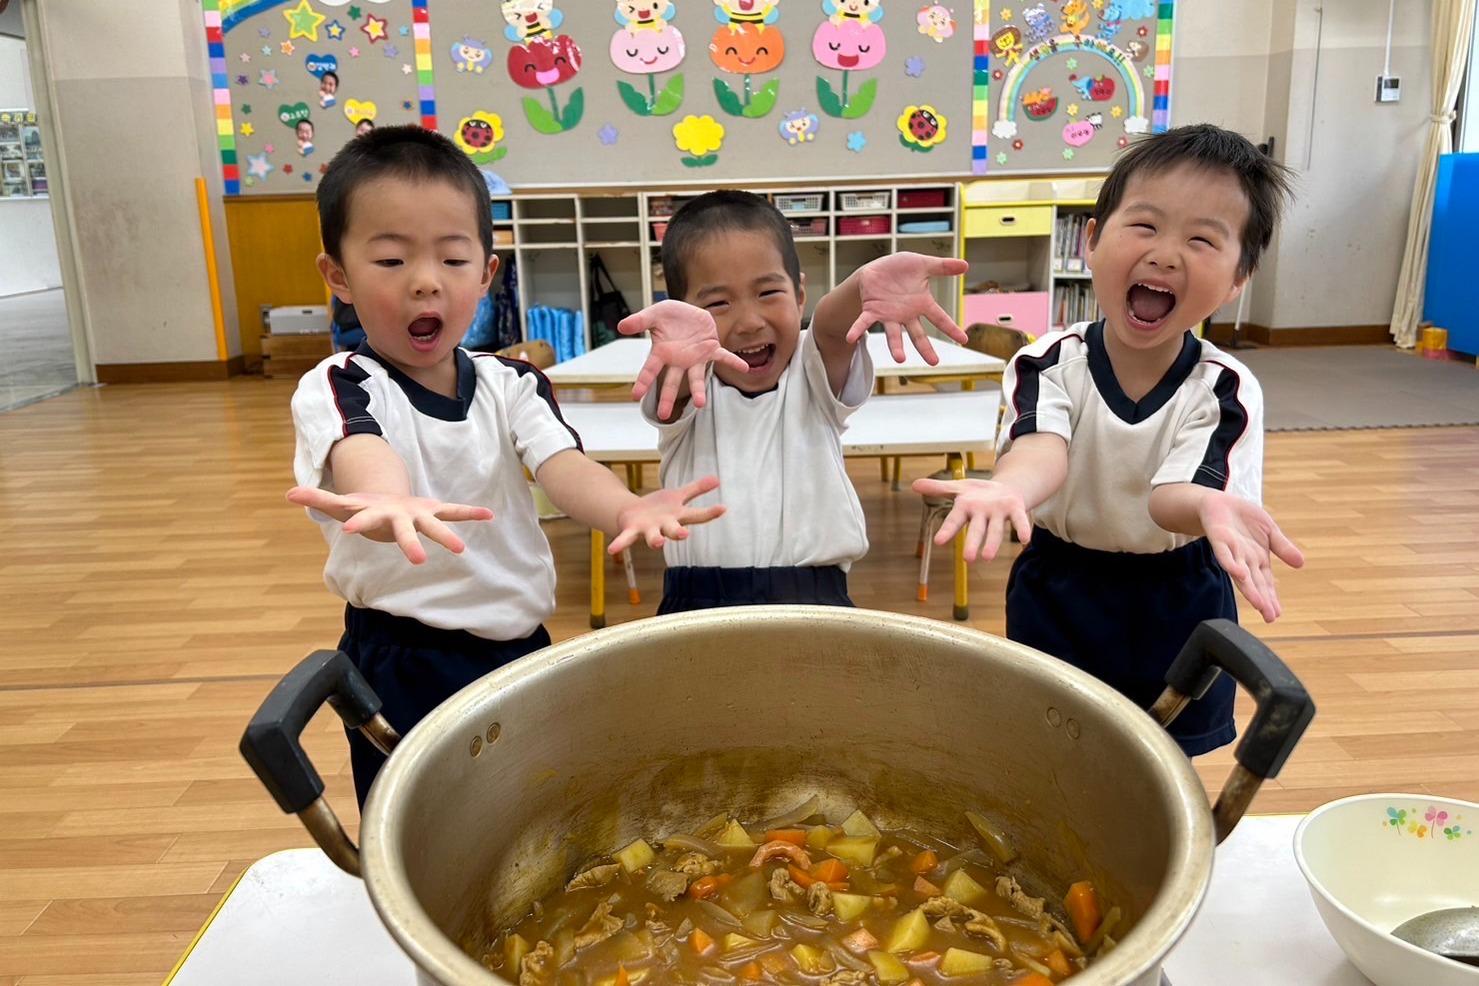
[802, 877]
[752, 972]
[1032, 979]
[622, 979]
[829, 871]
[796, 837]
[924, 862]
[1082, 905]
[1058, 962]
[700, 941]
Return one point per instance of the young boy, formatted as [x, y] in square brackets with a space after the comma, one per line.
[769, 420]
[1137, 447]
[397, 437]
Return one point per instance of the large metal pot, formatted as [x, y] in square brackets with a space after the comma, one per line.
[651, 727]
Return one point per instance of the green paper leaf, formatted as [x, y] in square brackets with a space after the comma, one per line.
[763, 101]
[913, 146]
[636, 102]
[700, 162]
[540, 118]
[830, 102]
[574, 110]
[670, 98]
[498, 154]
[861, 101]
[729, 102]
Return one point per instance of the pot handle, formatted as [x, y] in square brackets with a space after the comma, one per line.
[1284, 707]
[272, 743]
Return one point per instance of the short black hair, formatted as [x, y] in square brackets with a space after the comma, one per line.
[1265, 182]
[409, 152]
[329, 73]
[724, 211]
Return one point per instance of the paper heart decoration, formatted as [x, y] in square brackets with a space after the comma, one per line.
[292, 115]
[357, 111]
[317, 65]
[1078, 134]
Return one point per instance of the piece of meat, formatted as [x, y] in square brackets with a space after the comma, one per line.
[660, 929]
[778, 850]
[783, 888]
[924, 888]
[1008, 887]
[819, 899]
[947, 925]
[666, 884]
[596, 876]
[696, 864]
[982, 926]
[860, 942]
[955, 916]
[891, 853]
[845, 977]
[538, 966]
[601, 926]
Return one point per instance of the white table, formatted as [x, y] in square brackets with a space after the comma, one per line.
[618, 363]
[294, 918]
[955, 425]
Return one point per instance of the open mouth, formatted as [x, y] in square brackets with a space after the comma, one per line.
[847, 61]
[425, 332]
[1148, 306]
[758, 358]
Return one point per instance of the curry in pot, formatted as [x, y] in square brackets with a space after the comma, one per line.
[797, 900]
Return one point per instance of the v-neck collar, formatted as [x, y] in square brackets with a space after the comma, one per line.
[425, 400]
[1134, 412]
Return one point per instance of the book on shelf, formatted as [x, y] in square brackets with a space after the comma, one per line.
[1074, 302]
[1070, 240]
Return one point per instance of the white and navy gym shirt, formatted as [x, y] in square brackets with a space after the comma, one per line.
[778, 456]
[470, 449]
[1203, 424]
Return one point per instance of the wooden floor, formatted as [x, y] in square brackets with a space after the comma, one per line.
[153, 584]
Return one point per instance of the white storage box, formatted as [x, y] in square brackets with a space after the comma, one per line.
[298, 320]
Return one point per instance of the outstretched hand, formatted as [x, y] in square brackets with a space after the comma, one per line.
[984, 508]
[685, 340]
[1245, 540]
[391, 517]
[895, 290]
[663, 514]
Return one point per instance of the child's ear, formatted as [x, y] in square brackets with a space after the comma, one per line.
[1235, 290]
[334, 277]
[801, 292]
[1091, 238]
[489, 271]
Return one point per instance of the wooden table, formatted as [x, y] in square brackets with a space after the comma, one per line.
[617, 363]
[955, 425]
[294, 918]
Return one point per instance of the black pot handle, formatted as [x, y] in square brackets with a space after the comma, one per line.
[272, 743]
[1284, 707]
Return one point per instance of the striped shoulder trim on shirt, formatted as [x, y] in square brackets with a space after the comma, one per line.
[1027, 391]
[350, 399]
[1215, 470]
[542, 387]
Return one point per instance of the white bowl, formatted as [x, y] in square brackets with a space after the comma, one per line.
[1375, 860]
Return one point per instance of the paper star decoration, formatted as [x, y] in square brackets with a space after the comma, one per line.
[354, 13]
[391, 51]
[334, 29]
[247, 129]
[245, 58]
[353, 51]
[270, 149]
[856, 141]
[405, 69]
[242, 80]
[267, 77]
[914, 67]
[287, 47]
[1071, 64]
[1073, 109]
[1068, 154]
[1149, 71]
[250, 181]
[1001, 157]
[607, 135]
[405, 30]
[303, 21]
[1006, 14]
[374, 27]
[1098, 4]
[246, 109]
[1117, 112]
[258, 166]
[308, 176]
[405, 104]
[287, 169]
[266, 49]
[264, 32]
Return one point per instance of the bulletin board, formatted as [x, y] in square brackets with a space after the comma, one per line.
[594, 92]
[1063, 86]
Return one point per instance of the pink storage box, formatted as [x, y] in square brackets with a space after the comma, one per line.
[862, 225]
[1025, 311]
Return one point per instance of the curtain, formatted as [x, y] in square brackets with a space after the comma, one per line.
[1453, 31]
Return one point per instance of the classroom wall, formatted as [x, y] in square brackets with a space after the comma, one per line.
[28, 260]
[135, 128]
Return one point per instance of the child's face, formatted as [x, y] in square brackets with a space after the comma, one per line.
[1167, 257]
[412, 265]
[328, 84]
[739, 278]
[305, 131]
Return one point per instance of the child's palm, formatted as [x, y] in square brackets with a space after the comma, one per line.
[664, 514]
[390, 517]
[1245, 540]
[984, 508]
[895, 290]
[685, 340]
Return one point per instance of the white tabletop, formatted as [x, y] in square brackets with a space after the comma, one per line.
[619, 362]
[900, 424]
[295, 918]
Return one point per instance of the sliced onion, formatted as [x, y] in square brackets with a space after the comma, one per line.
[720, 915]
[844, 957]
[976, 857]
[804, 920]
[994, 838]
[692, 843]
[806, 809]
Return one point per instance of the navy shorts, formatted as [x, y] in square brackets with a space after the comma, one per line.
[688, 588]
[414, 668]
[1123, 618]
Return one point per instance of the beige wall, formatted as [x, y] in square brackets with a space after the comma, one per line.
[135, 130]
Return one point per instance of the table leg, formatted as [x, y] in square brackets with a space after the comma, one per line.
[598, 580]
[898, 461]
[970, 458]
[962, 609]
